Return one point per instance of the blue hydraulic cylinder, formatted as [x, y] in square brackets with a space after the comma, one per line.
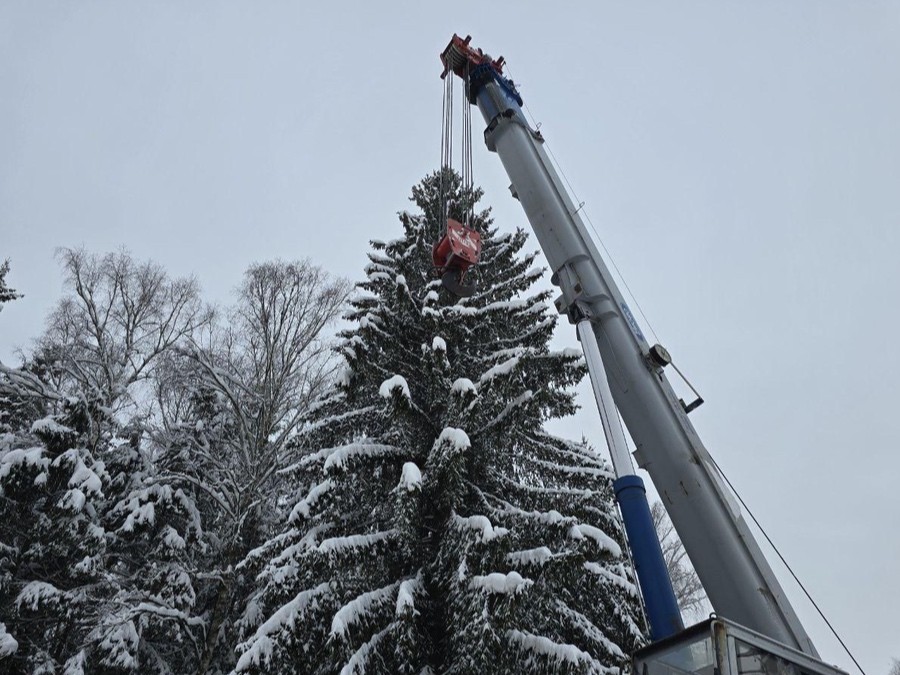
[656, 587]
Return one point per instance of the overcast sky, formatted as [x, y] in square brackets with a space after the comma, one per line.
[740, 160]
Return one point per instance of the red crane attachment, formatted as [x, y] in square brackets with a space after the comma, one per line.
[454, 254]
[458, 56]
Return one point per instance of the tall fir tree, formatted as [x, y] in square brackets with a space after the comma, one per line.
[437, 526]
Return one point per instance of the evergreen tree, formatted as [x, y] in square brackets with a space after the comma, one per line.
[93, 573]
[6, 293]
[437, 527]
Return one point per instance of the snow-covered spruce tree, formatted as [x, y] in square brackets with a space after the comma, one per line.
[89, 581]
[93, 574]
[438, 528]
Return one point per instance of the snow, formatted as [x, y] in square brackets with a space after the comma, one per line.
[357, 663]
[76, 664]
[85, 565]
[337, 457]
[119, 644]
[32, 457]
[401, 280]
[482, 525]
[551, 517]
[616, 579]
[360, 607]
[463, 386]
[501, 369]
[411, 478]
[502, 305]
[85, 478]
[259, 647]
[36, 592]
[48, 425]
[431, 296]
[570, 352]
[603, 540]
[170, 613]
[524, 397]
[172, 539]
[497, 582]
[345, 376]
[406, 595]
[8, 644]
[438, 344]
[302, 509]
[341, 544]
[456, 437]
[532, 556]
[591, 632]
[560, 653]
[387, 387]
[145, 513]
[73, 499]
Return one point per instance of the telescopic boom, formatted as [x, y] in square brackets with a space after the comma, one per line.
[739, 582]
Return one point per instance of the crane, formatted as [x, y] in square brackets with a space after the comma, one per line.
[755, 628]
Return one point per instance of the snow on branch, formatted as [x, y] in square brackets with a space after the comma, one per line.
[8, 644]
[524, 397]
[357, 663]
[37, 593]
[82, 476]
[532, 556]
[31, 457]
[336, 545]
[258, 649]
[361, 607]
[411, 478]
[619, 580]
[302, 508]
[406, 595]
[590, 630]
[169, 613]
[554, 651]
[504, 368]
[603, 540]
[48, 425]
[387, 387]
[482, 525]
[463, 386]
[572, 470]
[342, 453]
[458, 438]
[501, 305]
[497, 582]
[338, 458]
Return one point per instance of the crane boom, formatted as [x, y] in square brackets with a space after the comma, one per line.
[735, 574]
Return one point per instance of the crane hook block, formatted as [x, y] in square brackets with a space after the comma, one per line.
[454, 254]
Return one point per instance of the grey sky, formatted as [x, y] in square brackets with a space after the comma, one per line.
[740, 160]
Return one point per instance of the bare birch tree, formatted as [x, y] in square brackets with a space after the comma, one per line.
[119, 317]
[237, 398]
[688, 590]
